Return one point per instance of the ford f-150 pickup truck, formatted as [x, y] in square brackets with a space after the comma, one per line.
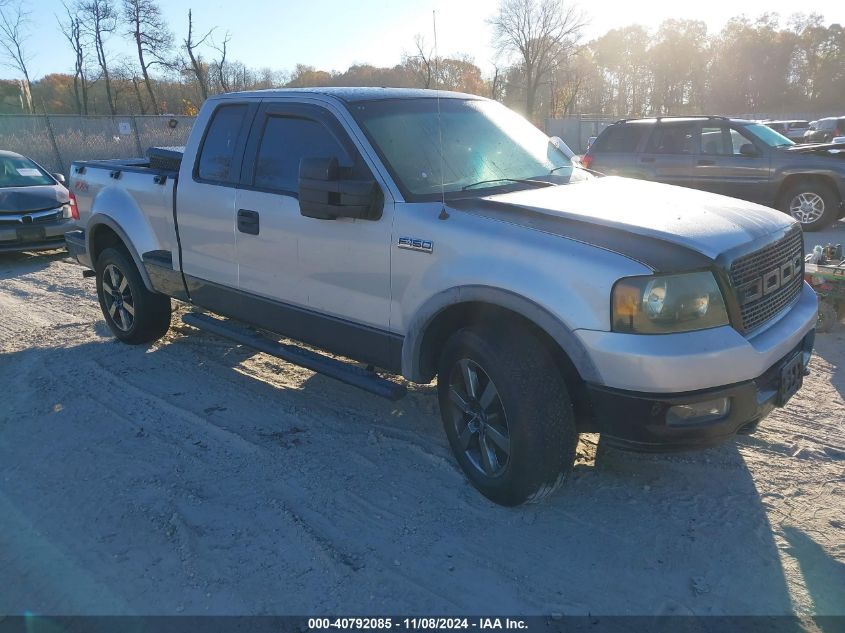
[436, 234]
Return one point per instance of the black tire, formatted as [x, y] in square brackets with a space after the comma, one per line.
[530, 398]
[134, 314]
[819, 193]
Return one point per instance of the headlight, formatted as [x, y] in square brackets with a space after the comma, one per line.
[667, 303]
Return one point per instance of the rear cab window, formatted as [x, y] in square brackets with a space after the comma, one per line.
[622, 138]
[217, 158]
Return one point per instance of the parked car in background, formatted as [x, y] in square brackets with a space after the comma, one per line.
[36, 209]
[733, 157]
[793, 129]
[825, 130]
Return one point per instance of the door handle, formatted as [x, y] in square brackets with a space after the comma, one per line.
[704, 162]
[647, 159]
[248, 221]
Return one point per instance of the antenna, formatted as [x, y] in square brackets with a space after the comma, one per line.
[443, 213]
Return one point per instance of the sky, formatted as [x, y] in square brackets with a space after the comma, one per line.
[333, 34]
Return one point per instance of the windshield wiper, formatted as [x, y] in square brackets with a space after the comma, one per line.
[540, 183]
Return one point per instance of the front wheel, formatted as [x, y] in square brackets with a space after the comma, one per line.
[813, 204]
[507, 414]
[133, 313]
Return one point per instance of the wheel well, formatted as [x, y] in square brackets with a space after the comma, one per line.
[794, 179]
[467, 314]
[103, 237]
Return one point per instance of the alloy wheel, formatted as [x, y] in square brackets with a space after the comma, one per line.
[479, 418]
[117, 295]
[807, 207]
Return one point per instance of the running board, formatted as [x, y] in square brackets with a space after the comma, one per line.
[344, 372]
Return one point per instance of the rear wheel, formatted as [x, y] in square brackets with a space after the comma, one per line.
[507, 414]
[814, 204]
[133, 313]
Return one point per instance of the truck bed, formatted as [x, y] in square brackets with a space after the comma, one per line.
[141, 194]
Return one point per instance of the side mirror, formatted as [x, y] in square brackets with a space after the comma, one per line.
[60, 178]
[562, 147]
[747, 149]
[324, 195]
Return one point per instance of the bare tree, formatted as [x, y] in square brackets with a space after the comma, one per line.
[424, 61]
[539, 33]
[99, 20]
[220, 64]
[13, 33]
[198, 66]
[153, 40]
[497, 82]
[72, 30]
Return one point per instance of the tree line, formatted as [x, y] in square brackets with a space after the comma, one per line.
[543, 66]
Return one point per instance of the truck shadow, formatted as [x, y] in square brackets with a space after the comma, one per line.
[205, 442]
[824, 577]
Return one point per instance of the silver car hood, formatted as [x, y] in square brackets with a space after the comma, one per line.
[707, 223]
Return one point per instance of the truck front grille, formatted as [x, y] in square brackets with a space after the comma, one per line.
[768, 280]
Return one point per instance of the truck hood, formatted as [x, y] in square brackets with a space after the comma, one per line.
[26, 199]
[650, 222]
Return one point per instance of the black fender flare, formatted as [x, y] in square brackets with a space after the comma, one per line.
[542, 318]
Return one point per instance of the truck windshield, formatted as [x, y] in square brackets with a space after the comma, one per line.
[768, 136]
[485, 146]
[18, 171]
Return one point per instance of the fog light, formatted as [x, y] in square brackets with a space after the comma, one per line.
[699, 412]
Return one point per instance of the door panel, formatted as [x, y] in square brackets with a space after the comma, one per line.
[206, 197]
[337, 267]
[267, 261]
[721, 168]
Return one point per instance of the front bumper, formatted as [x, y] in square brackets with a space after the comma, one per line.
[638, 421]
[37, 236]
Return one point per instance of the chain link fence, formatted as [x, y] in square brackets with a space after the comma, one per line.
[55, 141]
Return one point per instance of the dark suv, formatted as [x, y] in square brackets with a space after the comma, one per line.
[733, 157]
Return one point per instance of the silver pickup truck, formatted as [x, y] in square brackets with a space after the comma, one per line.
[440, 235]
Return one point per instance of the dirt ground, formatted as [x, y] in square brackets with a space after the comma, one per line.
[194, 477]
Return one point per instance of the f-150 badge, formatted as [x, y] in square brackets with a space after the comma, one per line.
[416, 244]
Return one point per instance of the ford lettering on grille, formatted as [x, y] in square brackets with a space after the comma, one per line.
[768, 280]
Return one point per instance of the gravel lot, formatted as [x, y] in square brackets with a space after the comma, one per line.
[193, 476]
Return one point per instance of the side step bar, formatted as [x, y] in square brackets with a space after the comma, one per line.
[344, 372]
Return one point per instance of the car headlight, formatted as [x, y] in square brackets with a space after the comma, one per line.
[660, 304]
